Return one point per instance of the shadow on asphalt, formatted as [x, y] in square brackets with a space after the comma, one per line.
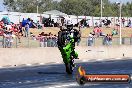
[60, 68]
[51, 73]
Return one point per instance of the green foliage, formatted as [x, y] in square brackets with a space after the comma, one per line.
[29, 6]
[71, 7]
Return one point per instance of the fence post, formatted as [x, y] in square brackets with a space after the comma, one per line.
[94, 39]
[28, 41]
[123, 41]
[93, 22]
[103, 41]
[86, 41]
[3, 42]
[28, 36]
[130, 40]
[16, 42]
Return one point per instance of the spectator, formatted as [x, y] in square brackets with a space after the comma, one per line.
[95, 31]
[90, 39]
[52, 22]
[108, 22]
[123, 22]
[45, 40]
[1, 24]
[55, 41]
[49, 40]
[96, 24]
[8, 27]
[27, 30]
[52, 40]
[39, 26]
[98, 31]
[106, 40]
[1, 32]
[114, 32]
[42, 33]
[20, 33]
[41, 40]
[129, 23]
[11, 37]
[33, 37]
[8, 39]
[110, 39]
[79, 36]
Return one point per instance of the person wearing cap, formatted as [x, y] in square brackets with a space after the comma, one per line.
[27, 30]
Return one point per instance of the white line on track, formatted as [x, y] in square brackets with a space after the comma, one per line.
[118, 58]
[99, 60]
[29, 64]
[19, 82]
[41, 63]
[69, 85]
[84, 60]
[65, 85]
[58, 62]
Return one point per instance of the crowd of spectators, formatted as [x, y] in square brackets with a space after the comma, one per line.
[48, 22]
[114, 22]
[98, 32]
[106, 39]
[10, 31]
[46, 40]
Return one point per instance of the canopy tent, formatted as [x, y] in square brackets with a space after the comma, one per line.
[55, 12]
[6, 20]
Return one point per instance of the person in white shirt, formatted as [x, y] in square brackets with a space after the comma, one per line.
[90, 39]
[8, 27]
[69, 23]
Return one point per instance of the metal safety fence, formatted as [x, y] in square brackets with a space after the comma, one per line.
[98, 41]
[33, 42]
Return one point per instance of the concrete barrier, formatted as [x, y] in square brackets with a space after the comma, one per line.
[104, 52]
[19, 56]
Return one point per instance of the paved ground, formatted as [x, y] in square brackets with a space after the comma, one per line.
[54, 76]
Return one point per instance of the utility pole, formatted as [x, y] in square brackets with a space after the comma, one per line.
[101, 10]
[37, 6]
[120, 24]
[120, 11]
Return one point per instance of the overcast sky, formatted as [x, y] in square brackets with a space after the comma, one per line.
[2, 6]
[124, 1]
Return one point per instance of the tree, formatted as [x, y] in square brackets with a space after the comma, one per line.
[127, 9]
[71, 7]
[28, 6]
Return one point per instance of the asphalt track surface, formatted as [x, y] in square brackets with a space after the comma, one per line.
[54, 76]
